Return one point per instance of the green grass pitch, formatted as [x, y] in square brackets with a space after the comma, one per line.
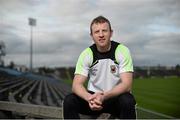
[161, 95]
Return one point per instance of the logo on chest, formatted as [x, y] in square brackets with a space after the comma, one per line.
[113, 68]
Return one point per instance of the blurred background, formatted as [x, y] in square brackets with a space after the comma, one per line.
[40, 42]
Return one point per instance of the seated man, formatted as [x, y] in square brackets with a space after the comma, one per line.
[108, 65]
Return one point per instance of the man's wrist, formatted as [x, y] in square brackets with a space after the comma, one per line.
[106, 95]
[87, 97]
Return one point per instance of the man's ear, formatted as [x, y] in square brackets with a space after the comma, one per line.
[111, 33]
[90, 34]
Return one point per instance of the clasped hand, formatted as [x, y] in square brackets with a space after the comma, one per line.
[96, 100]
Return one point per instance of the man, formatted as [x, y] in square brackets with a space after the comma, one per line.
[108, 65]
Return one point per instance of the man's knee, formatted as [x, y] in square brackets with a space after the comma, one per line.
[127, 99]
[69, 100]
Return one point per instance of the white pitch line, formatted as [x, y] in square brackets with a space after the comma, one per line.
[156, 113]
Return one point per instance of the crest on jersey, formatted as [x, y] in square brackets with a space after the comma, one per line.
[113, 68]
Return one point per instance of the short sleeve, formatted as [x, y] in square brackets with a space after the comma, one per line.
[84, 62]
[124, 59]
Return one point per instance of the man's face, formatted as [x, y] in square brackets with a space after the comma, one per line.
[101, 34]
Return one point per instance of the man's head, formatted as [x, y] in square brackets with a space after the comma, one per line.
[101, 33]
[100, 19]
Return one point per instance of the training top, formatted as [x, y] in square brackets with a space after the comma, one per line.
[104, 69]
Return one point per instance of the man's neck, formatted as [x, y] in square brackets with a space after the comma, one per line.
[104, 49]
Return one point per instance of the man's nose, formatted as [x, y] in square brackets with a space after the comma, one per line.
[101, 34]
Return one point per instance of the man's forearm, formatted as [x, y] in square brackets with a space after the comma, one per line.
[122, 87]
[117, 90]
[78, 87]
[81, 91]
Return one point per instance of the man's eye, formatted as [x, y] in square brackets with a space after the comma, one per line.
[105, 30]
[96, 32]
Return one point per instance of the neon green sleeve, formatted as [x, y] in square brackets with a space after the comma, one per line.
[84, 62]
[123, 57]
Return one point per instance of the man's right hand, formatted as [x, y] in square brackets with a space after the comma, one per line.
[96, 100]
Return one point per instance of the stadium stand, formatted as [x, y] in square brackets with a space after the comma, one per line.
[38, 96]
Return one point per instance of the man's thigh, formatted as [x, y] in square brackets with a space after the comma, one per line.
[114, 105]
[80, 105]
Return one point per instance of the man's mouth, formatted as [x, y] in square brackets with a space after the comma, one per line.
[101, 40]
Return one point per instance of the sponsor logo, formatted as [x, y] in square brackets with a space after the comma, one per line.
[93, 71]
